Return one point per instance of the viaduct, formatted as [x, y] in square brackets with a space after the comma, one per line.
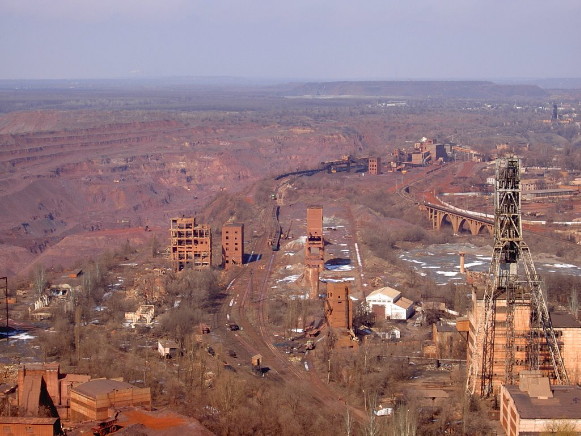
[437, 215]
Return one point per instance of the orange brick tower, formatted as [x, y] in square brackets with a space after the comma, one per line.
[232, 244]
[314, 249]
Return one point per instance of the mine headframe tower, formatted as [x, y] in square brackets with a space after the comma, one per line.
[506, 281]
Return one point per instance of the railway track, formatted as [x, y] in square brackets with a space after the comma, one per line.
[247, 305]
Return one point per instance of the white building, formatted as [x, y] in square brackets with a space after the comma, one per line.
[168, 348]
[387, 303]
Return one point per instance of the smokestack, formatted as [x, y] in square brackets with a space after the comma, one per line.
[462, 268]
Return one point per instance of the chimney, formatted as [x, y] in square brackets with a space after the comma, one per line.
[462, 269]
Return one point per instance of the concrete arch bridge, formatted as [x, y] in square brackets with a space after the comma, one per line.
[438, 215]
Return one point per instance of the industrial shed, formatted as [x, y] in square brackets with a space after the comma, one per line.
[28, 426]
[96, 399]
[387, 303]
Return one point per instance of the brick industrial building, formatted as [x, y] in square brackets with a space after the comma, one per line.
[43, 385]
[536, 407]
[374, 166]
[96, 399]
[314, 249]
[339, 314]
[27, 426]
[567, 330]
[232, 244]
[190, 244]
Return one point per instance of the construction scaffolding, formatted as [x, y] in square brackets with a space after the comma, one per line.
[514, 329]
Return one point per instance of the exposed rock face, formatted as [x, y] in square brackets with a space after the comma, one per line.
[60, 178]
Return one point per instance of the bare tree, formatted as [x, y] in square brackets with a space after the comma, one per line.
[39, 279]
[574, 303]
[405, 421]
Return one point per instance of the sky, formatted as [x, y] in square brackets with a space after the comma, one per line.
[290, 40]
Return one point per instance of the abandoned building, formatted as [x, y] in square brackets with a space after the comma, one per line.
[142, 316]
[374, 165]
[314, 249]
[446, 338]
[339, 314]
[388, 303]
[43, 386]
[536, 407]
[232, 244]
[168, 349]
[190, 244]
[96, 399]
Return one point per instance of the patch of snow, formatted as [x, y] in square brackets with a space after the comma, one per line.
[328, 280]
[289, 279]
[447, 273]
[22, 336]
[563, 265]
[471, 264]
[339, 267]
[416, 261]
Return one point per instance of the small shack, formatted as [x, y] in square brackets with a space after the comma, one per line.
[168, 349]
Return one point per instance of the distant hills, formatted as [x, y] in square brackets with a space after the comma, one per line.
[418, 89]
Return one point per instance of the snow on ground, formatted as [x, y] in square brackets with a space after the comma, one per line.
[289, 279]
[563, 265]
[22, 337]
[341, 280]
[472, 264]
[339, 267]
[447, 273]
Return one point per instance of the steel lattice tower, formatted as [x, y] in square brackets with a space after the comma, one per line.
[512, 277]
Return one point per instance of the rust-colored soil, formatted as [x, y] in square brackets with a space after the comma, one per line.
[157, 421]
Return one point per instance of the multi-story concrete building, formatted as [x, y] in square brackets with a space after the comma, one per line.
[190, 244]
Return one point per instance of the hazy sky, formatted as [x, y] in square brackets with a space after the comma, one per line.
[293, 39]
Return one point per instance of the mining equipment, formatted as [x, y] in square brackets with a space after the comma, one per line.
[514, 291]
[106, 427]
